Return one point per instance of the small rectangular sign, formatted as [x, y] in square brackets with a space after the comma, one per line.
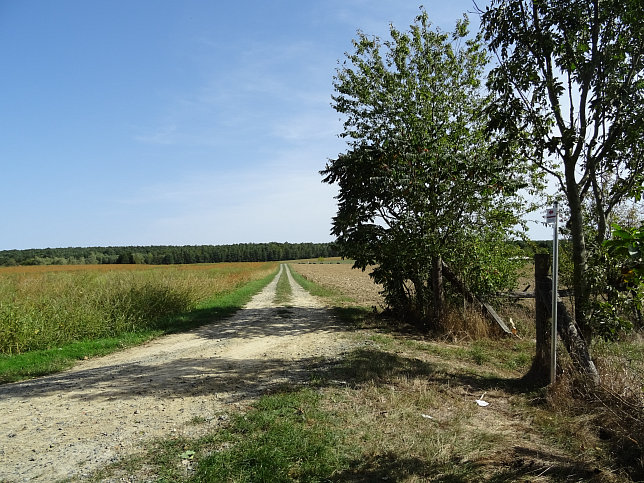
[551, 215]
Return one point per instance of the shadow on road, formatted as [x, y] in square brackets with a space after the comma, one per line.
[149, 375]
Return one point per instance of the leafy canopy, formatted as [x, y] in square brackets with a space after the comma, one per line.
[568, 92]
[417, 180]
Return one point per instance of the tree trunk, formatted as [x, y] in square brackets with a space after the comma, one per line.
[438, 291]
[575, 344]
[579, 256]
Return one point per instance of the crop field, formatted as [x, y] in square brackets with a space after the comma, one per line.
[43, 307]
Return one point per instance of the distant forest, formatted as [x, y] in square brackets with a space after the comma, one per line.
[165, 255]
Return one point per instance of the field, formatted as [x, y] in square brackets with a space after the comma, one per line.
[288, 390]
[90, 309]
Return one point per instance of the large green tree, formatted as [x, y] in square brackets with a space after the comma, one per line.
[417, 186]
[569, 92]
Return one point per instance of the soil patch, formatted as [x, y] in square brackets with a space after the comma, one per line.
[349, 281]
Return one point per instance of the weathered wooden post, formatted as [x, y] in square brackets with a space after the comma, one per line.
[575, 344]
[540, 370]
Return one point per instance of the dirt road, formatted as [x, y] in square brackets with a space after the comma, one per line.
[66, 425]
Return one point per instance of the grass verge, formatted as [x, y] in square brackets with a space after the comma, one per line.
[283, 290]
[48, 361]
[285, 437]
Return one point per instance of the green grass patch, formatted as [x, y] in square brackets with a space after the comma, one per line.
[43, 362]
[508, 354]
[286, 437]
[283, 290]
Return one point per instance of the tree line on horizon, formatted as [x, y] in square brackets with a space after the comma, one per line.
[167, 254]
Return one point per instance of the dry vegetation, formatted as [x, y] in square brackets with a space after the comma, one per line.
[46, 306]
[341, 277]
[564, 432]
[402, 406]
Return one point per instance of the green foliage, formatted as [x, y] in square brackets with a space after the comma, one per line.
[568, 94]
[488, 263]
[628, 244]
[626, 252]
[614, 278]
[417, 183]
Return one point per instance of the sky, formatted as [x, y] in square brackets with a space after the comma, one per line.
[183, 122]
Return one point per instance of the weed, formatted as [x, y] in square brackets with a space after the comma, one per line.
[613, 411]
[466, 324]
[40, 310]
[198, 420]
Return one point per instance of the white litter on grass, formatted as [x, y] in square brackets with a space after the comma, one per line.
[426, 416]
[482, 403]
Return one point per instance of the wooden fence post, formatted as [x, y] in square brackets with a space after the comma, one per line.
[540, 370]
[575, 344]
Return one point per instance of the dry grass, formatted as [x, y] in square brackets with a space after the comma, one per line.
[43, 307]
[467, 324]
[614, 410]
[524, 435]
[410, 406]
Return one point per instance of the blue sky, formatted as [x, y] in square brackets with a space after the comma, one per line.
[184, 122]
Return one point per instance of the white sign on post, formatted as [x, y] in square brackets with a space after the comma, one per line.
[551, 215]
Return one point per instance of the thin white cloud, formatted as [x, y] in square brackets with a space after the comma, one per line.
[270, 205]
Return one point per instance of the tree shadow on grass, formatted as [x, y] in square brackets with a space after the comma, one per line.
[377, 366]
[528, 463]
[383, 467]
[374, 366]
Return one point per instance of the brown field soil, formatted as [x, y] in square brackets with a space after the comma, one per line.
[351, 282]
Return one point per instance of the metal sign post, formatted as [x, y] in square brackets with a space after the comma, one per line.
[552, 216]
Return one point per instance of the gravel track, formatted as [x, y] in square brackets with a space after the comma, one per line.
[70, 424]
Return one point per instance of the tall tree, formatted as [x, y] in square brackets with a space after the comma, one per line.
[569, 92]
[417, 181]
